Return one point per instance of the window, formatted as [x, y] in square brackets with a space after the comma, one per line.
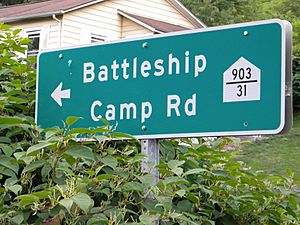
[97, 38]
[34, 36]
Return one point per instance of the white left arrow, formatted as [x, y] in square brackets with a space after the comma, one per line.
[58, 94]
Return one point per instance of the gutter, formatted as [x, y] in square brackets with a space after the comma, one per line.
[60, 28]
[32, 16]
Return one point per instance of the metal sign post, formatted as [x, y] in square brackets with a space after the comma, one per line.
[151, 149]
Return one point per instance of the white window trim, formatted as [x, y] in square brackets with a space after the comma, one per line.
[33, 31]
[42, 32]
[97, 38]
[87, 37]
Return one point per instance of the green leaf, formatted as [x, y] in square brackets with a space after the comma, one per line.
[9, 163]
[178, 171]
[6, 171]
[6, 71]
[42, 194]
[181, 193]
[35, 149]
[194, 171]
[165, 202]
[101, 130]
[34, 165]
[16, 31]
[122, 135]
[97, 219]
[50, 133]
[13, 120]
[290, 172]
[7, 150]
[167, 150]
[106, 177]
[15, 189]
[184, 205]
[80, 152]
[5, 27]
[26, 200]
[67, 203]
[18, 219]
[46, 170]
[147, 179]
[17, 100]
[137, 158]
[19, 155]
[11, 181]
[71, 120]
[174, 180]
[148, 219]
[83, 201]
[104, 121]
[5, 140]
[175, 163]
[110, 161]
[80, 131]
[133, 186]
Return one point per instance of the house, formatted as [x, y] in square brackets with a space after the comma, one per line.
[62, 23]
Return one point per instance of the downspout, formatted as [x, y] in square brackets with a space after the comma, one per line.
[60, 29]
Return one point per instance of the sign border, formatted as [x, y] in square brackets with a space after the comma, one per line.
[285, 54]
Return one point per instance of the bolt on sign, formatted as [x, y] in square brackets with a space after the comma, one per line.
[229, 80]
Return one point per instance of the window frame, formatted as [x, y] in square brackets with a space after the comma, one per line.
[96, 38]
[36, 32]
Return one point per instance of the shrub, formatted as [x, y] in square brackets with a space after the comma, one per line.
[59, 181]
[296, 83]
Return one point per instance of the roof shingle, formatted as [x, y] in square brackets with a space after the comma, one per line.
[159, 26]
[39, 8]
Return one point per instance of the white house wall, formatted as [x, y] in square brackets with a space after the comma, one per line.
[52, 34]
[131, 29]
[103, 19]
[155, 9]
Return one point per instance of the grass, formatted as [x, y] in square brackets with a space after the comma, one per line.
[276, 154]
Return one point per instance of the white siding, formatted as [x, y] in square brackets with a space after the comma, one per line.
[155, 9]
[103, 19]
[98, 19]
[52, 31]
[132, 29]
[54, 37]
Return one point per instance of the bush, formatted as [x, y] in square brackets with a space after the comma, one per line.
[59, 181]
[48, 178]
[296, 83]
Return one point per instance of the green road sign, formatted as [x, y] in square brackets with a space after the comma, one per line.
[230, 80]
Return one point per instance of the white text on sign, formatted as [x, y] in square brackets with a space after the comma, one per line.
[176, 107]
[241, 82]
[134, 68]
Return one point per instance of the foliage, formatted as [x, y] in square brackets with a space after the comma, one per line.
[12, 2]
[221, 12]
[59, 181]
[289, 10]
[275, 154]
[296, 83]
[17, 91]
[46, 177]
